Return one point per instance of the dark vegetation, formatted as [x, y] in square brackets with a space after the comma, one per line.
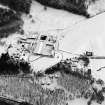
[10, 19]
[63, 66]
[81, 87]
[9, 29]
[21, 88]
[18, 5]
[10, 66]
[25, 103]
[66, 67]
[78, 83]
[39, 74]
[4, 101]
[77, 87]
[7, 16]
[85, 59]
[53, 69]
[96, 96]
[75, 6]
[10, 22]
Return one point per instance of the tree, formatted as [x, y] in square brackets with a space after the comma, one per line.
[18, 5]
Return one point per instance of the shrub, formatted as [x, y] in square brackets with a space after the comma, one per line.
[75, 6]
[24, 103]
[7, 16]
[18, 5]
[10, 22]
[10, 66]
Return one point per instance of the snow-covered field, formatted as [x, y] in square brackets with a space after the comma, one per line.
[89, 35]
[50, 19]
[86, 35]
[77, 35]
